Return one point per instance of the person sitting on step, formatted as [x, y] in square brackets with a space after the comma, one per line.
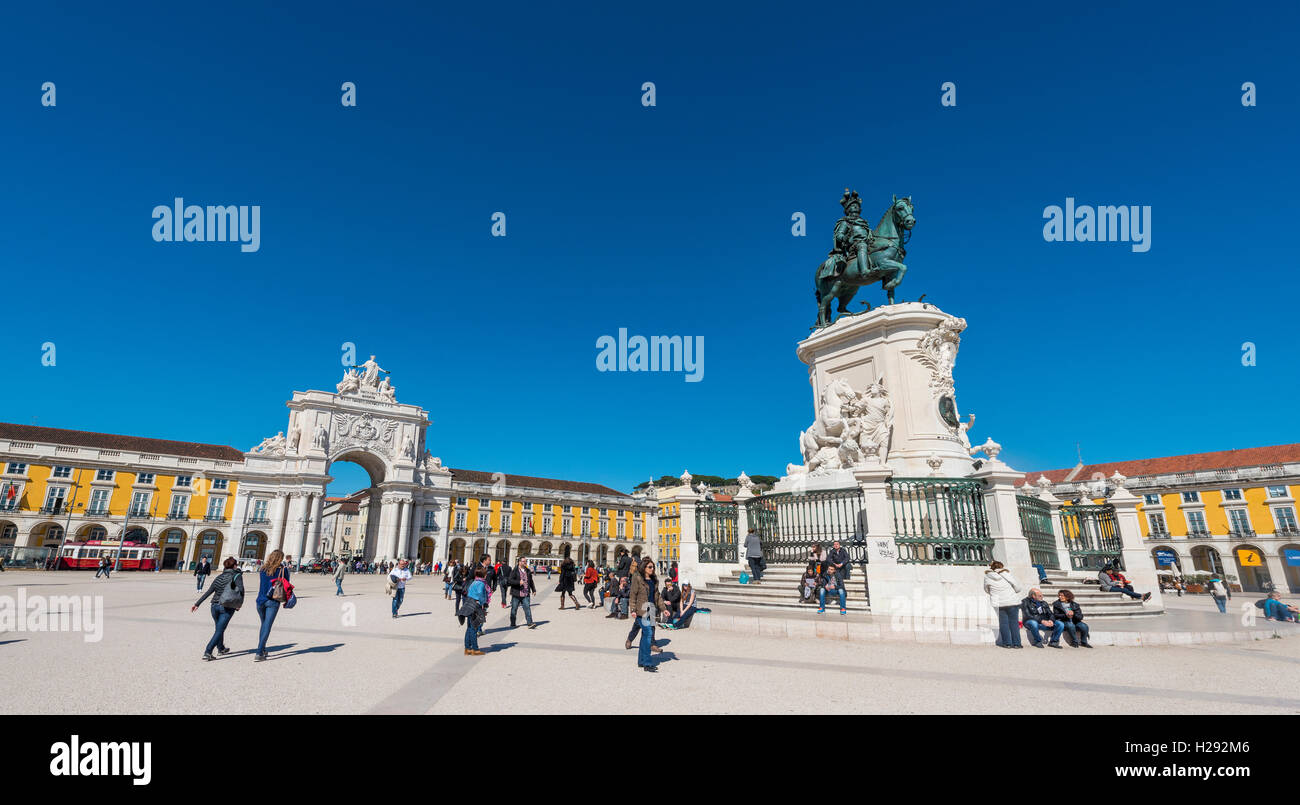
[1109, 585]
[1037, 614]
[808, 584]
[1071, 614]
[830, 581]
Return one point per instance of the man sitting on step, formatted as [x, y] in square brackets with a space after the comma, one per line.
[1037, 614]
[830, 581]
[1110, 585]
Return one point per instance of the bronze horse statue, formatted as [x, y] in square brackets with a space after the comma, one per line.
[862, 256]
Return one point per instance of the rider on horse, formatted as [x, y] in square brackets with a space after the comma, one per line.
[850, 231]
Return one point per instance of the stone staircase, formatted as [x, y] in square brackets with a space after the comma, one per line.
[779, 590]
[1096, 605]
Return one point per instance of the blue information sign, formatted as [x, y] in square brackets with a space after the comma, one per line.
[1167, 558]
[1292, 556]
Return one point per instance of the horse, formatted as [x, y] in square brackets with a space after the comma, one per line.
[878, 258]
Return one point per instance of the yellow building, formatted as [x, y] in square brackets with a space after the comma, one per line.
[1231, 511]
[66, 484]
[509, 516]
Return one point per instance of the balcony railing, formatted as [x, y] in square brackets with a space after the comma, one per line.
[259, 521]
[1287, 531]
[1197, 533]
[138, 513]
[1160, 534]
[214, 518]
[1241, 533]
[96, 512]
[428, 528]
[177, 516]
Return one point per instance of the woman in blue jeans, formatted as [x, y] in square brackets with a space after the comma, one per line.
[268, 607]
[221, 615]
[474, 611]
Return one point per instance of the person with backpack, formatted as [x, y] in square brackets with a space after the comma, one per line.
[1277, 610]
[227, 593]
[590, 578]
[474, 611]
[461, 578]
[1220, 593]
[272, 591]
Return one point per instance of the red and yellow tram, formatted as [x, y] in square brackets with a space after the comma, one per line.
[87, 555]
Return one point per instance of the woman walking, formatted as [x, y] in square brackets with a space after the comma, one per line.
[643, 589]
[223, 606]
[474, 611]
[568, 577]
[1005, 591]
[590, 578]
[269, 597]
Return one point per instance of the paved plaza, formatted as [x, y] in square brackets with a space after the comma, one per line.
[148, 662]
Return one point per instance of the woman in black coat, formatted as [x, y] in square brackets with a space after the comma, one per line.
[1071, 614]
[568, 577]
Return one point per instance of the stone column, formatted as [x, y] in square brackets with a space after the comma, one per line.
[295, 525]
[1010, 547]
[417, 530]
[276, 537]
[1062, 550]
[742, 524]
[1276, 568]
[386, 533]
[313, 531]
[688, 563]
[1139, 567]
[403, 529]
[240, 513]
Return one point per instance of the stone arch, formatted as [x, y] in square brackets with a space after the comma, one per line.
[503, 551]
[254, 545]
[525, 548]
[1253, 579]
[90, 531]
[210, 542]
[1178, 558]
[1292, 572]
[1206, 559]
[172, 546]
[46, 534]
[427, 549]
[566, 550]
[456, 550]
[545, 549]
[8, 532]
[480, 548]
[136, 534]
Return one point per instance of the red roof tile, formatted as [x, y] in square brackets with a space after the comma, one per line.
[109, 441]
[1220, 460]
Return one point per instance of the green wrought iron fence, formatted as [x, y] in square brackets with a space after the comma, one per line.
[1091, 533]
[1036, 525]
[940, 521]
[715, 529]
[789, 524]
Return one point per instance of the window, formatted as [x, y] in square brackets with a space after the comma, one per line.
[483, 522]
[216, 508]
[144, 478]
[1239, 520]
[484, 502]
[460, 501]
[586, 528]
[221, 483]
[566, 526]
[98, 502]
[620, 529]
[347, 532]
[568, 509]
[9, 534]
[61, 472]
[546, 524]
[1196, 523]
[259, 511]
[604, 512]
[586, 510]
[1157, 522]
[1191, 497]
[460, 521]
[180, 505]
[9, 496]
[636, 530]
[17, 469]
[1277, 491]
[54, 499]
[140, 504]
[1151, 500]
[505, 523]
[428, 519]
[527, 524]
[104, 475]
[184, 480]
[1285, 517]
[1232, 494]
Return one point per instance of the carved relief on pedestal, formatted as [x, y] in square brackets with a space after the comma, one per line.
[363, 430]
[853, 429]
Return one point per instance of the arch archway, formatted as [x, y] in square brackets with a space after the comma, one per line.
[1252, 578]
[1178, 559]
[254, 546]
[91, 531]
[525, 548]
[456, 550]
[544, 549]
[566, 550]
[1206, 559]
[136, 534]
[345, 481]
[8, 532]
[1292, 572]
[171, 547]
[210, 543]
[503, 551]
[427, 549]
[480, 548]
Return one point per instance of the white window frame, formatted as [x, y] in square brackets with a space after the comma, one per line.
[1235, 514]
[1147, 500]
[1286, 493]
[546, 523]
[184, 508]
[59, 493]
[1152, 519]
[104, 475]
[221, 484]
[61, 471]
[216, 507]
[506, 522]
[1196, 496]
[260, 505]
[1241, 495]
[140, 510]
[16, 468]
[145, 478]
[1277, 520]
[1191, 527]
[100, 495]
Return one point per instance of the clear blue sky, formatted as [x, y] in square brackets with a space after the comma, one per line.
[672, 220]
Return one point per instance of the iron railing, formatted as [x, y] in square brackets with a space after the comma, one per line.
[940, 521]
[1091, 533]
[715, 529]
[789, 524]
[1036, 525]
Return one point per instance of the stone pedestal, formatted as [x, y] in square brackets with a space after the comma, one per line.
[1138, 565]
[1010, 546]
[910, 347]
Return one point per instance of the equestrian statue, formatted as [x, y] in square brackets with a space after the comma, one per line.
[862, 256]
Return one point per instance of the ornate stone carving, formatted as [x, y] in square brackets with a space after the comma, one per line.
[935, 463]
[938, 353]
[273, 445]
[408, 448]
[364, 430]
[686, 478]
[990, 448]
[744, 481]
[963, 433]
[431, 464]
[320, 437]
[365, 382]
[1118, 480]
[852, 429]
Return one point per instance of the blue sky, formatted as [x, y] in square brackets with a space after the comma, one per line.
[671, 220]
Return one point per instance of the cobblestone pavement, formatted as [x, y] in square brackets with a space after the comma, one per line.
[348, 655]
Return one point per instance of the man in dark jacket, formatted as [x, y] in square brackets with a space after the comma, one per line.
[1037, 614]
[839, 560]
[201, 570]
[521, 592]
[754, 555]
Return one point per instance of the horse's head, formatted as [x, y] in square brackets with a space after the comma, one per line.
[902, 212]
